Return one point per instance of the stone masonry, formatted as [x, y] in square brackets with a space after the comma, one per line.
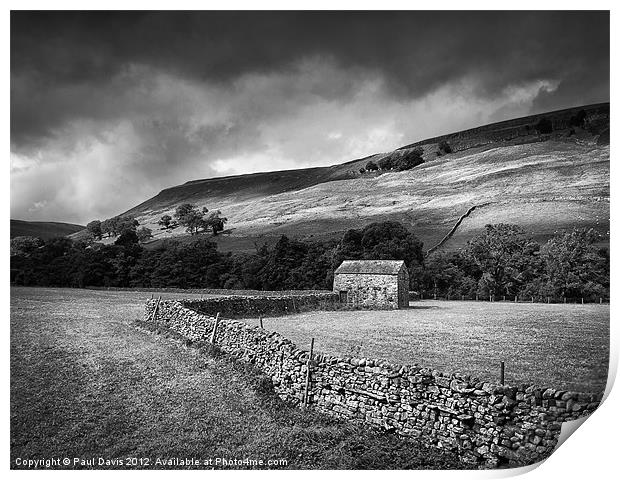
[372, 283]
[487, 425]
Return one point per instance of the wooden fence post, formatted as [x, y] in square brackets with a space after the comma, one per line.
[260, 321]
[308, 365]
[501, 372]
[156, 308]
[217, 321]
[582, 300]
[516, 298]
[601, 300]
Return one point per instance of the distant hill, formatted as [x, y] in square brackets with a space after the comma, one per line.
[510, 171]
[44, 230]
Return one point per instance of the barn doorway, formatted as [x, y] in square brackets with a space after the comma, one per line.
[343, 296]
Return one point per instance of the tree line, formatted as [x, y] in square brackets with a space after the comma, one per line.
[502, 260]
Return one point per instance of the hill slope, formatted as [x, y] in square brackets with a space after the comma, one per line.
[44, 230]
[510, 172]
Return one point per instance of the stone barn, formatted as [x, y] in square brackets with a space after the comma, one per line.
[373, 283]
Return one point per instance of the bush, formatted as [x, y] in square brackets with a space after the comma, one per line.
[445, 147]
[544, 126]
[407, 162]
[578, 120]
[372, 166]
[386, 163]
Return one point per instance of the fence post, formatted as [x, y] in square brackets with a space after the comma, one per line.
[548, 300]
[582, 300]
[504, 298]
[476, 297]
[532, 299]
[564, 299]
[601, 300]
[501, 372]
[308, 365]
[260, 321]
[462, 297]
[155, 311]
[217, 321]
[516, 298]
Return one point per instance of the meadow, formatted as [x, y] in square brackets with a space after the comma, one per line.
[554, 345]
[88, 384]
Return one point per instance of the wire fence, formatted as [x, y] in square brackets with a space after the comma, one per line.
[510, 298]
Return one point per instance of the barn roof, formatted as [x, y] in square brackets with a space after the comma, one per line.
[377, 267]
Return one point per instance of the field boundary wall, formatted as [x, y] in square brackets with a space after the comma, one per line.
[486, 424]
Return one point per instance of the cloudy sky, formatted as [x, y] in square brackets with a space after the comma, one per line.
[109, 108]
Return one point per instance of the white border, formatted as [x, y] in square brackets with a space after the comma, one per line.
[589, 453]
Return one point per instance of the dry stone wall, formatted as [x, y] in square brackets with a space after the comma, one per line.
[237, 306]
[488, 425]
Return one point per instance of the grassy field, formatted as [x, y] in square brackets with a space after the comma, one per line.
[87, 384]
[544, 187]
[562, 346]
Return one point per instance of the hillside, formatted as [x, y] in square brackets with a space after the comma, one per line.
[44, 230]
[508, 171]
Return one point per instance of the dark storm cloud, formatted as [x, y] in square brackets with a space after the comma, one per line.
[108, 108]
[54, 54]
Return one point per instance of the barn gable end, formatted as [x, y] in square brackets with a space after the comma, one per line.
[373, 283]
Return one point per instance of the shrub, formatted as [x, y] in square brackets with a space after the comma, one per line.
[544, 126]
[372, 166]
[578, 120]
[407, 162]
[445, 147]
[386, 163]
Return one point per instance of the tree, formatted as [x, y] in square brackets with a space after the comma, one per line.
[574, 266]
[386, 163]
[381, 241]
[94, 228]
[215, 222]
[409, 160]
[372, 166]
[117, 225]
[445, 147]
[107, 227]
[144, 234]
[190, 217]
[124, 223]
[578, 120]
[505, 258]
[165, 221]
[127, 238]
[25, 245]
[544, 126]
